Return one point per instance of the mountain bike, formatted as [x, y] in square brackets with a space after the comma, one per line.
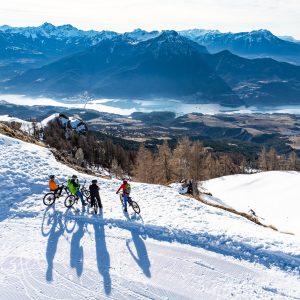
[50, 198]
[131, 203]
[85, 192]
[95, 206]
[72, 199]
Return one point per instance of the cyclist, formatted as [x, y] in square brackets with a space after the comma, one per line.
[73, 186]
[54, 187]
[125, 186]
[94, 192]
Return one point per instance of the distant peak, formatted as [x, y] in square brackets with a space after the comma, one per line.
[138, 30]
[261, 32]
[47, 25]
[68, 27]
[199, 32]
[169, 33]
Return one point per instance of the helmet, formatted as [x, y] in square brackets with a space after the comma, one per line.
[94, 181]
[124, 180]
[74, 176]
[51, 176]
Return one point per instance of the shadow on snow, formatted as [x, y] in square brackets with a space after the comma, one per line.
[221, 244]
[55, 224]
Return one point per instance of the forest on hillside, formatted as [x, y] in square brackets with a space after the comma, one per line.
[163, 163]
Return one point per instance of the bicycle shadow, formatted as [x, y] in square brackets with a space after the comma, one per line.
[102, 255]
[141, 258]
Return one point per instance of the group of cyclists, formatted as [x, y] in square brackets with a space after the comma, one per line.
[74, 188]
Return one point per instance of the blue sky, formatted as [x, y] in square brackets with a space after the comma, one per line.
[282, 17]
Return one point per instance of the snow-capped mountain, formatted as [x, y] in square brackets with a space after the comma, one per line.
[142, 35]
[254, 44]
[178, 248]
[166, 66]
[48, 30]
[195, 33]
[22, 48]
[73, 62]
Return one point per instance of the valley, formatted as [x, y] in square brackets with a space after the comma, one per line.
[243, 133]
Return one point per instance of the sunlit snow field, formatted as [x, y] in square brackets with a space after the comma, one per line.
[178, 248]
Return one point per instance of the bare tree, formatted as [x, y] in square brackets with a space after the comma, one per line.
[143, 169]
[163, 164]
[263, 159]
[181, 159]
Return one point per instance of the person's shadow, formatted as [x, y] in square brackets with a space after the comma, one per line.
[55, 233]
[103, 259]
[76, 255]
[142, 258]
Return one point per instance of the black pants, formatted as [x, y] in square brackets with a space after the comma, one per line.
[93, 197]
[58, 190]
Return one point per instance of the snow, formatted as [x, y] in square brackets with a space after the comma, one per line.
[49, 119]
[25, 125]
[178, 248]
[194, 33]
[48, 30]
[142, 35]
[274, 196]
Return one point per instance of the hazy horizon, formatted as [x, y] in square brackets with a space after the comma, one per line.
[278, 16]
[136, 28]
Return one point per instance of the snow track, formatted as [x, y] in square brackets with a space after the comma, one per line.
[177, 249]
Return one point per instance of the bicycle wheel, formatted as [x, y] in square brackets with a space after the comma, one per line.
[135, 207]
[69, 201]
[88, 199]
[49, 199]
[122, 200]
[85, 192]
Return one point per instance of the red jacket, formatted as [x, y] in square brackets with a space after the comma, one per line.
[122, 187]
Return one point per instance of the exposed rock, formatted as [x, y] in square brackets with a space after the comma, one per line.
[8, 129]
[79, 157]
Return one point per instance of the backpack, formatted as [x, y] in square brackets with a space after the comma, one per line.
[127, 189]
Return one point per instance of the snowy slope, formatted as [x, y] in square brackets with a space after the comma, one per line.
[25, 125]
[177, 249]
[274, 196]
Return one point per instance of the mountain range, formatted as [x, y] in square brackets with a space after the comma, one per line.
[254, 44]
[30, 47]
[166, 66]
[189, 65]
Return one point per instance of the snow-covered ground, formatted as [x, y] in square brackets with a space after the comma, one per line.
[273, 196]
[177, 249]
[25, 125]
